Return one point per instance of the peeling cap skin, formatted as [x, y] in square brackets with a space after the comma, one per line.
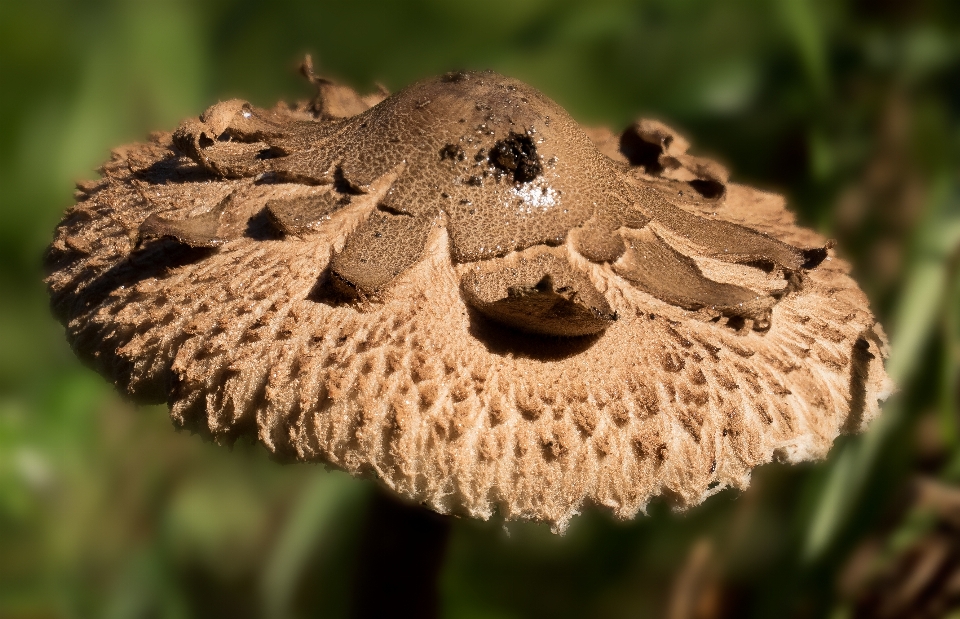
[459, 291]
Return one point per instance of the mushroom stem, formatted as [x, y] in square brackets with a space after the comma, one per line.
[401, 553]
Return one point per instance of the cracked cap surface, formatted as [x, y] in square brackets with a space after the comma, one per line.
[459, 291]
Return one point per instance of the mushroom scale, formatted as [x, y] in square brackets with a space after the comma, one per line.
[459, 291]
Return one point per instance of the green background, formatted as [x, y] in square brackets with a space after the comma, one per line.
[850, 108]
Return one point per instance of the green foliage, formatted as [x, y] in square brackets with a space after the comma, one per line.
[851, 108]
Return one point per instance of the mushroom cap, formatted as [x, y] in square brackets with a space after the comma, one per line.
[460, 292]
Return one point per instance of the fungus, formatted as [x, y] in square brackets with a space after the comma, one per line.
[457, 290]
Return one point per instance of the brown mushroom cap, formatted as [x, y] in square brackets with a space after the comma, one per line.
[459, 291]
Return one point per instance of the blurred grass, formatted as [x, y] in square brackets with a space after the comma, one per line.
[851, 108]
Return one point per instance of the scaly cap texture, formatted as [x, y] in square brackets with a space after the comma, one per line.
[460, 292]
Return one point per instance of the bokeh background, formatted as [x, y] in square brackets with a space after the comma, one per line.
[851, 108]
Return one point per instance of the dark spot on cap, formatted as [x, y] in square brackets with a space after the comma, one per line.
[814, 256]
[455, 76]
[452, 152]
[708, 188]
[517, 154]
[640, 152]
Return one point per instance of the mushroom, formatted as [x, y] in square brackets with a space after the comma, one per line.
[462, 293]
